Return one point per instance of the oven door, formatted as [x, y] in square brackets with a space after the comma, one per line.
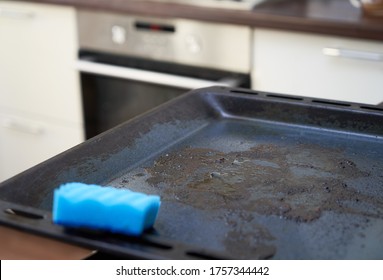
[115, 89]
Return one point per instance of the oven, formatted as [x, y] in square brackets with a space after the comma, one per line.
[131, 64]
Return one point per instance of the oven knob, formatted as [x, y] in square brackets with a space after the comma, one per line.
[118, 34]
[193, 44]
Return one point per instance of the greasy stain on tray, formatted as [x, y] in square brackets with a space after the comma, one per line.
[246, 238]
[296, 183]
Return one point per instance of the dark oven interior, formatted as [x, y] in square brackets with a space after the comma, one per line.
[109, 101]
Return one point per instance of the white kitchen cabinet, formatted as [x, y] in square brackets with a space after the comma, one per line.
[318, 66]
[39, 86]
[26, 141]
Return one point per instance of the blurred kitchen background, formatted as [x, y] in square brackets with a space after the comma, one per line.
[70, 70]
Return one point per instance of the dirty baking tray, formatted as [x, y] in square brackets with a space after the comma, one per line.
[241, 174]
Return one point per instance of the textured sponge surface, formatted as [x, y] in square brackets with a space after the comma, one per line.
[105, 208]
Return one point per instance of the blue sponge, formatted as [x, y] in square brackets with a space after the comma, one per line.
[116, 210]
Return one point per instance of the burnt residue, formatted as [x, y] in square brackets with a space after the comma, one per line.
[297, 183]
[246, 237]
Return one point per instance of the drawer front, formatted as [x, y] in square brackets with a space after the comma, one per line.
[38, 52]
[25, 142]
[318, 66]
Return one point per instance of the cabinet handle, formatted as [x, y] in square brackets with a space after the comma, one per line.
[16, 13]
[353, 54]
[23, 127]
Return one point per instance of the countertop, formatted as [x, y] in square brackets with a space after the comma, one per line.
[330, 17]
[19, 245]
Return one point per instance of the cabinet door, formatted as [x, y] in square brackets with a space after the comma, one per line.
[37, 53]
[25, 142]
[318, 66]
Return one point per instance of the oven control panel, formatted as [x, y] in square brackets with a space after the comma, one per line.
[187, 42]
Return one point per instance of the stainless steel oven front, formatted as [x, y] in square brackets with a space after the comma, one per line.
[131, 64]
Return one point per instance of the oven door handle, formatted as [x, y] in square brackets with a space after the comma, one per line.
[149, 76]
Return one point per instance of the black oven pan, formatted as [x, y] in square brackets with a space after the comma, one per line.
[241, 174]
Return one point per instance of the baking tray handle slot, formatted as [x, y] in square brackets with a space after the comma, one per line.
[24, 214]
